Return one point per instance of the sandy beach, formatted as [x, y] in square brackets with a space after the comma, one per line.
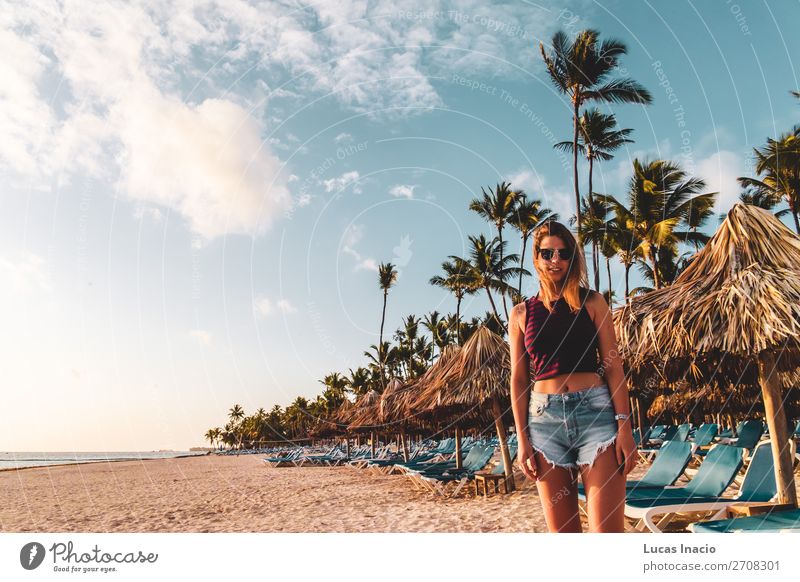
[240, 494]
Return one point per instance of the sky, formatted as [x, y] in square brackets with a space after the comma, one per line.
[196, 195]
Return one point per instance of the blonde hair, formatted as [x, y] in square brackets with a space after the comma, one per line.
[576, 272]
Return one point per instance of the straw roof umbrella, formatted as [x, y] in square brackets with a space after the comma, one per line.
[739, 298]
[394, 390]
[364, 417]
[426, 402]
[479, 376]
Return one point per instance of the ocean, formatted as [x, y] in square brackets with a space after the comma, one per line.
[14, 460]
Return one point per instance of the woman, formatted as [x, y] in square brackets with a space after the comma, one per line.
[572, 420]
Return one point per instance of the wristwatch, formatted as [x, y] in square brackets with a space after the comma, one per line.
[621, 416]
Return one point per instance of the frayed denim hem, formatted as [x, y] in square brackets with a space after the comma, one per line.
[600, 448]
[553, 463]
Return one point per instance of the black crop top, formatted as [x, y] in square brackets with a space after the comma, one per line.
[560, 342]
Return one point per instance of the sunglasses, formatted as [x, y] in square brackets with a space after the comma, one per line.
[563, 254]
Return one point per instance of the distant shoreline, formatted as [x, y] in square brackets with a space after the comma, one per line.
[97, 461]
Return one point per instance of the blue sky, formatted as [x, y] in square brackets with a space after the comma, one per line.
[196, 195]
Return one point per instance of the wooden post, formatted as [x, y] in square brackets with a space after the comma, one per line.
[372, 442]
[458, 448]
[778, 430]
[405, 446]
[347, 446]
[508, 469]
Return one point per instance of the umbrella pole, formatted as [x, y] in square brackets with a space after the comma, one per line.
[779, 432]
[405, 446]
[347, 446]
[501, 436]
[458, 448]
[372, 442]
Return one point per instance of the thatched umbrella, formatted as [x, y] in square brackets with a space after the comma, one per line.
[479, 376]
[365, 415]
[393, 392]
[739, 299]
[426, 402]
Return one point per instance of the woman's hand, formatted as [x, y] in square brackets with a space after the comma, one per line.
[527, 460]
[626, 449]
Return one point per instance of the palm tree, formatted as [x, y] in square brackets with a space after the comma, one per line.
[487, 269]
[581, 69]
[438, 330]
[459, 282]
[661, 197]
[597, 138]
[359, 381]
[778, 164]
[334, 393]
[387, 276]
[236, 413]
[497, 207]
[627, 244]
[527, 216]
[211, 436]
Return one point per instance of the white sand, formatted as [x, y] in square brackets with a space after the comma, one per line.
[241, 494]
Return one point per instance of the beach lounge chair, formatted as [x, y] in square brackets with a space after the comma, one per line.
[769, 522]
[757, 487]
[288, 460]
[749, 432]
[670, 433]
[439, 482]
[669, 465]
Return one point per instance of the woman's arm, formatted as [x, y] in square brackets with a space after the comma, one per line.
[520, 372]
[520, 391]
[614, 373]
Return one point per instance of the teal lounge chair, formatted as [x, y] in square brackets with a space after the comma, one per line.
[439, 482]
[670, 464]
[758, 486]
[770, 522]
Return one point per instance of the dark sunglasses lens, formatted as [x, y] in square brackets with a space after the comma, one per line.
[563, 254]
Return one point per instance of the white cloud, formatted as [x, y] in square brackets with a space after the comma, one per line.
[351, 237]
[341, 182]
[342, 137]
[720, 171]
[558, 200]
[201, 336]
[205, 160]
[26, 273]
[262, 306]
[402, 191]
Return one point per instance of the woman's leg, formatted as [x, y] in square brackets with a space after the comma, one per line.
[558, 490]
[604, 484]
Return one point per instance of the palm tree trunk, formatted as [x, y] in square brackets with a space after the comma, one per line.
[380, 338]
[627, 286]
[576, 106]
[595, 257]
[656, 278]
[522, 261]
[508, 469]
[497, 315]
[608, 270]
[458, 319]
[500, 234]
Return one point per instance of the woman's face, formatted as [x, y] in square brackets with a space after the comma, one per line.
[555, 267]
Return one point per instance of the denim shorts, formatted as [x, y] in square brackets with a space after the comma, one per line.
[572, 428]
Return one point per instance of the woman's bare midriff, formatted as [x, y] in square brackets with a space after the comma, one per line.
[568, 383]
